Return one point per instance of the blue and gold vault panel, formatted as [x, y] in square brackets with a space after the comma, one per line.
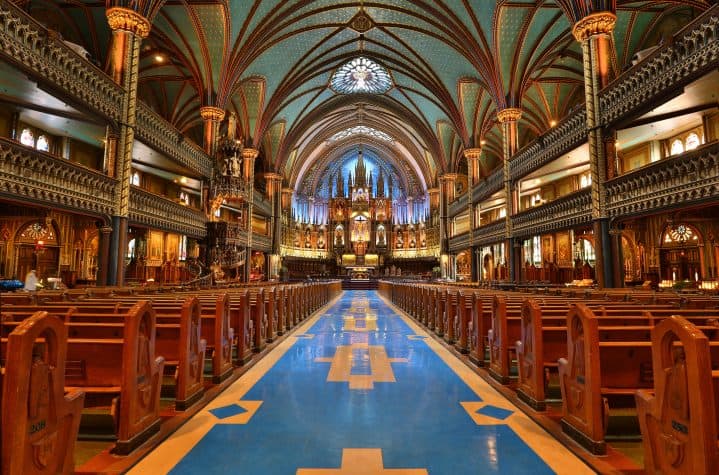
[362, 392]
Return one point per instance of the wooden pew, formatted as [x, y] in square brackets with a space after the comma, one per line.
[678, 423]
[186, 350]
[126, 367]
[39, 422]
[679, 419]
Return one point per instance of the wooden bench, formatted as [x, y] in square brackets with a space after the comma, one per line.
[39, 421]
[679, 418]
[121, 378]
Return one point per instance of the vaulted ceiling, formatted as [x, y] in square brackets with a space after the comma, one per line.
[453, 63]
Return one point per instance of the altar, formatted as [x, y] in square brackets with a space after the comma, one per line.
[359, 272]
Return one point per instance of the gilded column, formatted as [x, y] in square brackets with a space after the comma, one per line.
[211, 118]
[595, 33]
[274, 193]
[509, 118]
[248, 172]
[128, 30]
[472, 155]
[446, 196]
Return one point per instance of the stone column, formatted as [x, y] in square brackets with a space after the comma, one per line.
[274, 193]
[595, 33]
[248, 173]
[211, 118]
[472, 155]
[508, 118]
[128, 30]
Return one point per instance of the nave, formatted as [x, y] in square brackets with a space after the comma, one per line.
[360, 388]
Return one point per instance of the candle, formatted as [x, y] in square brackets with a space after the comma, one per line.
[674, 275]
[696, 276]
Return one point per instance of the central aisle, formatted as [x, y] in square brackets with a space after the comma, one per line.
[360, 389]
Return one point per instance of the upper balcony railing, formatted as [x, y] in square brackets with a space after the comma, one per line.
[42, 178]
[159, 212]
[29, 45]
[683, 180]
[491, 233]
[569, 134]
[47, 59]
[155, 131]
[691, 53]
[571, 210]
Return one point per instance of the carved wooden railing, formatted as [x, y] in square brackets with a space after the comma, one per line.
[157, 132]
[490, 233]
[488, 186]
[458, 206]
[570, 133]
[44, 56]
[691, 53]
[44, 179]
[26, 43]
[568, 211]
[260, 205]
[162, 213]
[459, 242]
[261, 242]
[690, 178]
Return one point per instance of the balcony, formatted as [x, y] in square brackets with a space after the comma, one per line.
[565, 137]
[571, 210]
[684, 180]
[491, 233]
[158, 133]
[158, 212]
[27, 44]
[47, 180]
[688, 55]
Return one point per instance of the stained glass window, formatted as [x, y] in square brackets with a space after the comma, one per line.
[361, 75]
[43, 144]
[135, 179]
[680, 234]
[27, 138]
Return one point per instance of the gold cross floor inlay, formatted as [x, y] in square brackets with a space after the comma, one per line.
[380, 366]
[362, 462]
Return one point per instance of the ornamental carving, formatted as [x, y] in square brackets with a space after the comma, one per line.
[689, 55]
[128, 20]
[23, 41]
[55, 182]
[491, 233]
[687, 179]
[566, 212]
[510, 114]
[161, 213]
[600, 23]
[565, 137]
[158, 133]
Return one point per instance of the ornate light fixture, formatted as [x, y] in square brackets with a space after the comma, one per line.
[361, 75]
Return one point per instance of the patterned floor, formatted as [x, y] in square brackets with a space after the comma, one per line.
[360, 389]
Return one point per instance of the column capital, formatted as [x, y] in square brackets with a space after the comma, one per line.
[472, 153]
[448, 177]
[509, 114]
[432, 191]
[594, 24]
[105, 229]
[120, 18]
[212, 113]
[275, 177]
[250, 153]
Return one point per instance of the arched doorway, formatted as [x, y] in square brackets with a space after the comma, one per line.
[680, 253]
[463, 265]
[37, 247]
[488, 267]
